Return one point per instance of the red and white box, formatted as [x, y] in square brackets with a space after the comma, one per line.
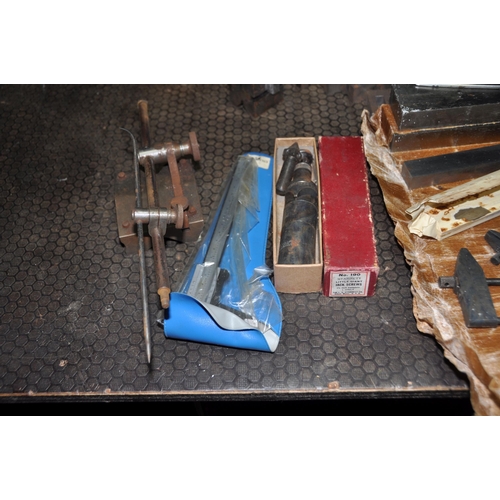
[349, 245]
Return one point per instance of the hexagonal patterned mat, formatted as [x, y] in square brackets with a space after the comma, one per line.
[71, 323]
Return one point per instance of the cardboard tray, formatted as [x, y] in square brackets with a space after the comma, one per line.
[297, 278]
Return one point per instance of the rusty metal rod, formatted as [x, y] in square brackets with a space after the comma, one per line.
[144, 117]
[160, 263]
[156, 230]
[151, 191]
[175, 177]
[157, 238]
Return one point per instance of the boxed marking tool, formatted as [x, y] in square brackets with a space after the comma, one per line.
[349, 248]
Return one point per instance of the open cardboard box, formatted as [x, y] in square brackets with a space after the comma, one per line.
[296, 278]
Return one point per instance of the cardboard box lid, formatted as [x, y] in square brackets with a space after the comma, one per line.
[348, 233]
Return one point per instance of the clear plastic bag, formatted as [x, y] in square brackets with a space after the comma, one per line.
[228, 270]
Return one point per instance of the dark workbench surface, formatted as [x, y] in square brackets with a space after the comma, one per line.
[69, 293]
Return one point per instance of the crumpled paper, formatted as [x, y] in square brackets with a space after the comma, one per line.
[475, 352]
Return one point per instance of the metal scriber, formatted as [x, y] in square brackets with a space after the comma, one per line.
[142, 257]
[158, 217]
